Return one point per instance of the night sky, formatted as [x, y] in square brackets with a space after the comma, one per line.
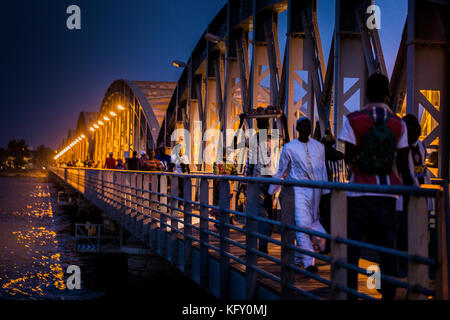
[48, 74]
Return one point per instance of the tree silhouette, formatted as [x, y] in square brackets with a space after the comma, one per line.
[18, 149]
[43, 156]
[3, 156]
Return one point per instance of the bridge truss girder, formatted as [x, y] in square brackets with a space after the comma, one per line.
[224, 79]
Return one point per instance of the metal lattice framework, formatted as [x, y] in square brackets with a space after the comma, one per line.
[129, 119]
[226, 76]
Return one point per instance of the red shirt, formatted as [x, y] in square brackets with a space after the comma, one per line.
[110, 163]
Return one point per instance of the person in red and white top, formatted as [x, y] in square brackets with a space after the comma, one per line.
[370, 213]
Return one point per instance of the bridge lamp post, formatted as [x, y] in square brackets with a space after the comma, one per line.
[188, 67]
[179, 64]
[222, 45]
[213, 38]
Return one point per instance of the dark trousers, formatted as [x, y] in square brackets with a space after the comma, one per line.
[372, 217]
[259, 204]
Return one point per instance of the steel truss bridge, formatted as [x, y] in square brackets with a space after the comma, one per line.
[237, 66]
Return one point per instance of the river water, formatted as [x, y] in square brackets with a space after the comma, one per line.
[36, 249]
[35, 246]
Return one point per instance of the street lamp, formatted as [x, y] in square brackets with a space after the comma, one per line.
[179, 64]
[213, 38]
[120, 107]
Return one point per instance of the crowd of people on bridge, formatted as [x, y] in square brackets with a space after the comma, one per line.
[148, 161]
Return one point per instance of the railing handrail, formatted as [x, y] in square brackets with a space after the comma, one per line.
[429, 191]
[136, 195]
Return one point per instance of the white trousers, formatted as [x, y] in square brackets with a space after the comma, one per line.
[306, 216]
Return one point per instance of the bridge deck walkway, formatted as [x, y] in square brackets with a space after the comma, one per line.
[301, 281]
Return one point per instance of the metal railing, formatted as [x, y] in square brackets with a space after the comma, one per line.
[150, 205]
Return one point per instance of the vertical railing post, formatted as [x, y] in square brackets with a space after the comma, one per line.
[107, 198]
[442, 257]
[173, 222]
[114, 179]
[123, 197]
[163, 217]
[152, 214]
[338, 250]
[251, 258]
[204, 227]
[154, 197]
[133, 212]
[417, 244]
[139, 212]
[287, 238]
[187, 227]
[98, 184]
[146, 187]
[102, 183]
[128, 207]
[224, 202]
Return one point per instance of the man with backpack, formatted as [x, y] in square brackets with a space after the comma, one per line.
[373, 137]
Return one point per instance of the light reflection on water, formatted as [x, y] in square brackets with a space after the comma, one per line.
[34, 246]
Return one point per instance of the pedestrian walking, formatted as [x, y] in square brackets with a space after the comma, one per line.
[304, 159]
[373, 137]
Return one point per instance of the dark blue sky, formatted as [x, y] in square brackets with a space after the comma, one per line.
[48, 74]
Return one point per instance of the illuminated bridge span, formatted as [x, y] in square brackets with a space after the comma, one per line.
[224, 258]
[238, 66]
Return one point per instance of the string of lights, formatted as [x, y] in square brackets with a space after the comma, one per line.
[94, 127]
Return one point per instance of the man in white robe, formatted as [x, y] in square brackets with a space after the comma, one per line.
[304, 159]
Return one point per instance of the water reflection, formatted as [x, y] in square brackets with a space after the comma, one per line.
[33, 254]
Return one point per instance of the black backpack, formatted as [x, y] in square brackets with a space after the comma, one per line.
[377, 149]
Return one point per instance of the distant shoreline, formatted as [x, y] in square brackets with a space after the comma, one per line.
[24, 173]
